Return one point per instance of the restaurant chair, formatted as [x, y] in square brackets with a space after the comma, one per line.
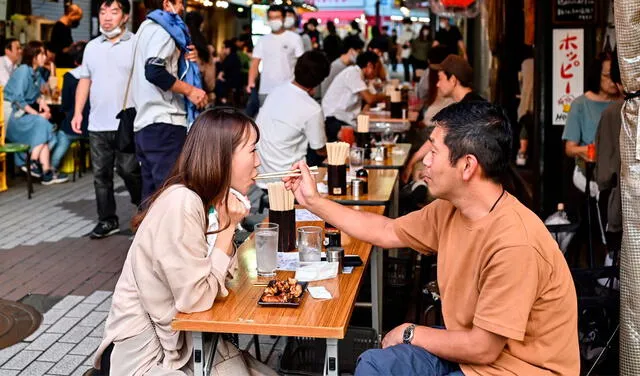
[12, 148]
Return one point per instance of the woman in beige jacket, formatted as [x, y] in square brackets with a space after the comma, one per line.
[170, 268]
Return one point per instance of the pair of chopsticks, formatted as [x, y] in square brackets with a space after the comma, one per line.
[283, 174]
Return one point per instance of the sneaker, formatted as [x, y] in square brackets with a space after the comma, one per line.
[104, 229]
[36, 171]
[50, 177]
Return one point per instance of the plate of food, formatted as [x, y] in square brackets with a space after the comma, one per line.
[283, 293]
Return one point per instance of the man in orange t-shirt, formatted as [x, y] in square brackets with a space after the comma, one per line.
[508, 299]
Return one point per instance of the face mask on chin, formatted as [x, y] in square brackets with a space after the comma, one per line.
[275, 25]
[288, 22]
[353, 57]
[111, 34]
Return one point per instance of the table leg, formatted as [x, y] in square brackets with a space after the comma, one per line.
[198, 354]
[395, 200]
[203, 356]
[376, 290]
[331, 358]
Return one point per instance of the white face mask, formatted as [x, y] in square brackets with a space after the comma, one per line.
[111, 34]
[275, 25]
[353, 56]
[288, 22]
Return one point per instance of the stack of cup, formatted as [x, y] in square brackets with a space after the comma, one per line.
[282, 213]
[337, 153]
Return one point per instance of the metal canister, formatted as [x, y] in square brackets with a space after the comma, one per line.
[336, 254]
[357, 187]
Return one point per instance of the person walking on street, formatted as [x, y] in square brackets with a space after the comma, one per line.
[165, 88]
[278, 53]
[106, 64]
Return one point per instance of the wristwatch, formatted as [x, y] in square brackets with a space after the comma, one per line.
[407, 336]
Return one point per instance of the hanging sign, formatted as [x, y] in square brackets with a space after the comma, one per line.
[568, 71]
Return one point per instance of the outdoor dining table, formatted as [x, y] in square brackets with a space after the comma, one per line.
[395, 160]
[379, 121]
[239, 312]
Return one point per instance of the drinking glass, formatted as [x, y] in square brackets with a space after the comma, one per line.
[266, 237]
[309, 243]
[356, 160]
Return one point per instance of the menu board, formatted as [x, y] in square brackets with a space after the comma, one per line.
[574, 12]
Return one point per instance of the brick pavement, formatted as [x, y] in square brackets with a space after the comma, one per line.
[44, 250]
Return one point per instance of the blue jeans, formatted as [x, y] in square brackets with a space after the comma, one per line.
[59, 145]
[405, 360]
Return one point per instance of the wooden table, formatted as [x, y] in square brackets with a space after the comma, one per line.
[382, 183]
[379, 121]
[394, 161]
[240, 313]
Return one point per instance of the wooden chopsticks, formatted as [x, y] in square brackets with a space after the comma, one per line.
[282, 174]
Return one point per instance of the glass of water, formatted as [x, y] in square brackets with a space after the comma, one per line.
[309, 243]
[356, 160]
[266, 238]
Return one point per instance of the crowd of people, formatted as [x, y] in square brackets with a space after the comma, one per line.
[205, 122]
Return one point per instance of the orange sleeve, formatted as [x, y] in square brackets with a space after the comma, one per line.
[508, 286]
[418, 230]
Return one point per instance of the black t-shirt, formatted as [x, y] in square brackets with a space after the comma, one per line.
[449, 38]
[60, 39]
[472, 96]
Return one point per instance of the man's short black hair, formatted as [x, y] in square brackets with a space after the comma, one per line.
[349, 43]
[125, 5]
[366, 58]
[76, 51]
[481, 129]
[276, 8]
[311, 69]
[615, 68]
[231, 44]
[8, 44]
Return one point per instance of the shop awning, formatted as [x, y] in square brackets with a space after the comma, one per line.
[338, 16]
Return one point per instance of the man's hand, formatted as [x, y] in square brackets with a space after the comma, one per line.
[304, 186]
[197, 97]
[192, 55]
[394, 337]
[76, 123]
[250, 87]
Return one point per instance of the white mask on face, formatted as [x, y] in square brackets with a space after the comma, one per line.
[111, 34]
[275, 25]
[353, 56]
[288, 22]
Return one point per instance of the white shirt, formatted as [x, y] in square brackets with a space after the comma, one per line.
[278, 53]
[337, 66]
[108, 66]
[289, 120]
[405, 37]
[7, 67]
[153, 105]
[342, 99]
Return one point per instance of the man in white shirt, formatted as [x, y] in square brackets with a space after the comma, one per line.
[9, 62]
[291, 121]
[106, 66]
[278, 52]
[351, 48]
[342, 102]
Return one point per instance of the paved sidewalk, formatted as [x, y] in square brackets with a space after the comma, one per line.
[44, 250]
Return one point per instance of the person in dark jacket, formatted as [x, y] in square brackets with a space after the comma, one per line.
[229, 82]
[332, 43]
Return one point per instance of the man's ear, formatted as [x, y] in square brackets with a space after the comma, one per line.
[470, 166]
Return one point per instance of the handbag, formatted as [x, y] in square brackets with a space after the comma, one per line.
[125, 139]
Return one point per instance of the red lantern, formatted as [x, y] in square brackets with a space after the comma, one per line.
[457, 3]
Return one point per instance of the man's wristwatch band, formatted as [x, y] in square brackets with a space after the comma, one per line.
[407, 336]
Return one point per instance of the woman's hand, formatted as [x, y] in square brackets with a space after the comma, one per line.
[192, 55]
[235, 214]
[46, 115]
[304, 187]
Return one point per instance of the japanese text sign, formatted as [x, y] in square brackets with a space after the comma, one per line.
[568, 71]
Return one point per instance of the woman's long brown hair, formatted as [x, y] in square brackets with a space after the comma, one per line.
[204, 164]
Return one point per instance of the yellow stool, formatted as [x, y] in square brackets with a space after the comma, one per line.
[67, 163]
[3, 172]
